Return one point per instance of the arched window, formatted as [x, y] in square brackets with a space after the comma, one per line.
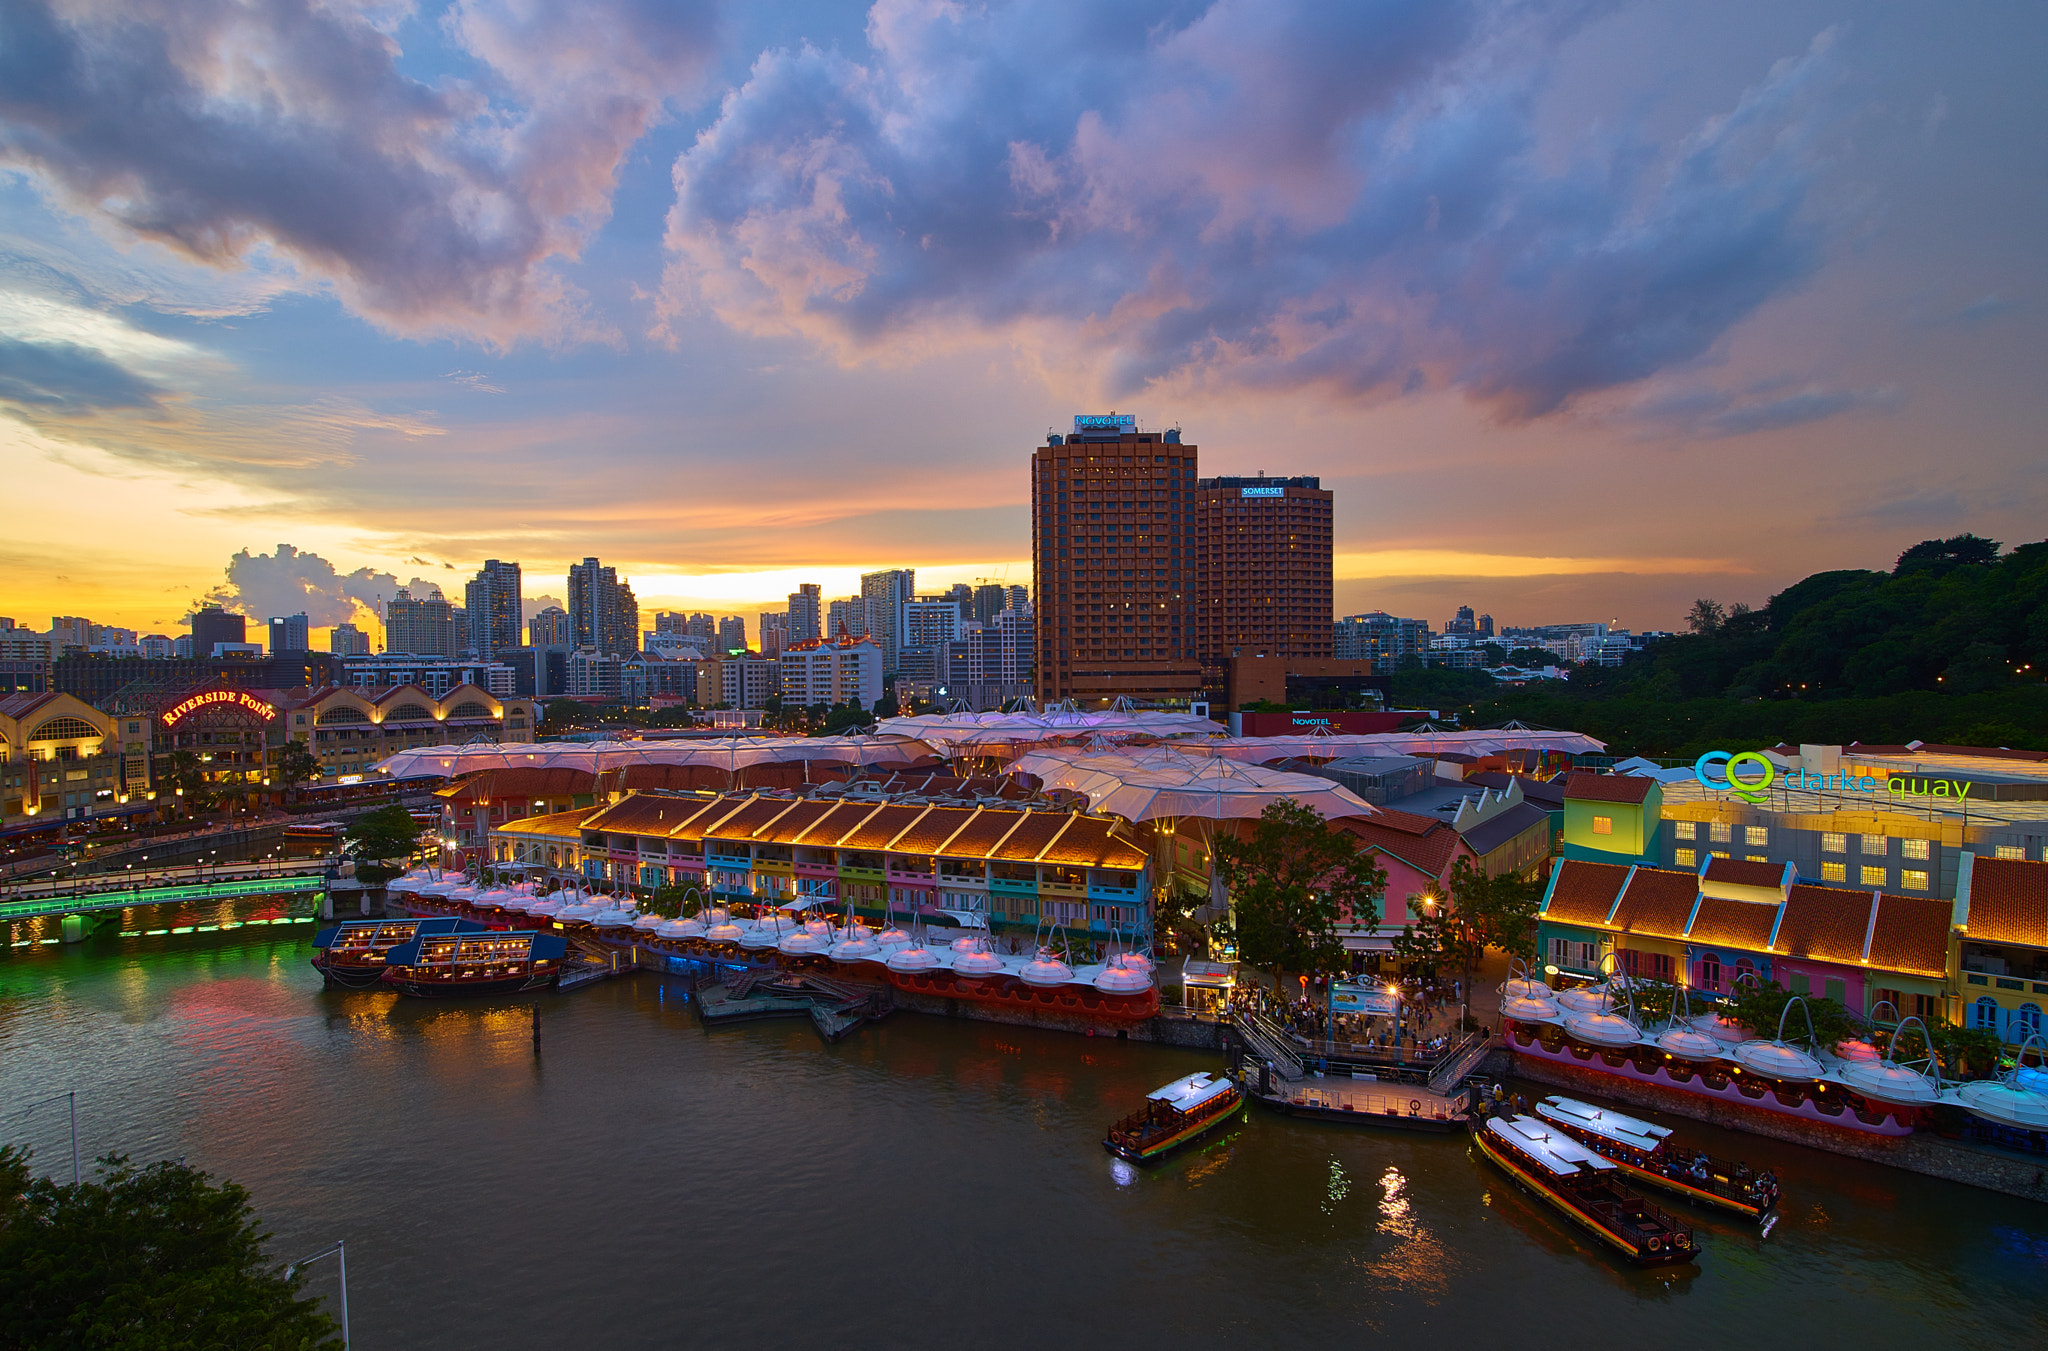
[1984, 1013]
[472, 709]
[1744, 967]
[1710, 971]
[2027, 1020]
[408, 713]
[65, 729]
[342, 714]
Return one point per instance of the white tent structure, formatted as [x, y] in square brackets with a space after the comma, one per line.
[1162, 784]
[1343, 745]
[994, 733]
[727, 753]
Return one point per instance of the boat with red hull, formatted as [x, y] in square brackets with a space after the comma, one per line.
[1649, 1154]
[353, 955]
[1582, 1186]
[1177, 1114]
[455, 965]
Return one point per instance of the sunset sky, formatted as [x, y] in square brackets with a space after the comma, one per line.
[1583, 310]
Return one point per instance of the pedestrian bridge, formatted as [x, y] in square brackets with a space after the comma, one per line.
[86, 901]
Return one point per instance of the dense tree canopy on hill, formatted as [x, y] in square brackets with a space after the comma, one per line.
[1950, 646]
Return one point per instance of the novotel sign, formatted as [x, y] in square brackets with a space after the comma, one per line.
[1105, 422]
[240, 698]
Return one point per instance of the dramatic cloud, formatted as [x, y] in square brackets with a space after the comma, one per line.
[1261, 194]
[288, 581]
[222, 128]
[66, 377]
[1707, 414]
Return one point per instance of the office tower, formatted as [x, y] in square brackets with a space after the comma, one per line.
[931, 623]
[849, 617]
[1265, 572]
[492, 600]
[1463, 624]
[805, 613]
[73, 631]
[603, 614]
[668, 621]
[774, 633]
[346, 640]
[1112, 538]
[213, 625]
[288, 634]
[550, 628]
[989, 601]
[1486, 626]
[732, 634]
[883, 596]
[1016, 598]
[420, 628]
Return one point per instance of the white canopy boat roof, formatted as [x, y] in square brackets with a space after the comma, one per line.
[1553, 1149]
[1623, 1130]
[1185, 1095]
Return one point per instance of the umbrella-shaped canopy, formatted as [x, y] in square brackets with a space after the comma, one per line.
[1163, 784]
[731, 754]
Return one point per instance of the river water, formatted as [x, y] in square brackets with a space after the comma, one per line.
[641, 1183]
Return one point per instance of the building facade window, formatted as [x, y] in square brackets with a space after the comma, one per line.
[2012, 851]
[1879, 846]
[1685, 858]
[1834, 872]
[1834, 842]
[1720, 832]
[1915, 849]
[1872, 877]
[1685, 830]
[1603, 825]
[1756, 835]
[1710, 971]
[1913, 879]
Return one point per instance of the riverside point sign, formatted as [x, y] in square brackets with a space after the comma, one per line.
[240, 698]
[1749, 774]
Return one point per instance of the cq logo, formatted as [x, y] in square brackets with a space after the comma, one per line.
[1723, 772]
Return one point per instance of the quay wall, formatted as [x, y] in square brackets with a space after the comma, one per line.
[1921, 1152]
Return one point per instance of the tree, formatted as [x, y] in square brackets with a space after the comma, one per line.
[1760, 1007]
[143, 1258]
[1481, 912]
[1173, 918]
[563, 715]
[372, 838]
[186, 776]
[1963, 549]
[296, 764]
[1290, 885]
[1706, 617]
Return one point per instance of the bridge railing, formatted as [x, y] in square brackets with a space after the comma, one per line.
[80, 902]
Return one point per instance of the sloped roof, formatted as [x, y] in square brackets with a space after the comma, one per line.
[1656, 901]
[1736, 924]
[714, 812]
[1500, 828]
[932, 829]
[21, 705]
[645, 814]
[1033, 833]
[2008, 901]
[1430, 850]
[1743, 873]
[495, 785]
[1827, 924]
[982, 833]
[790, 826]
[1090, 841]
[1624, 788]
[568, 825]
[1584, 892]
[882, 826]
[1911, 934]
[751, 816]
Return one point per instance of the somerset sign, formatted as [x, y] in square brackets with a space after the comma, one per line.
[242, 699]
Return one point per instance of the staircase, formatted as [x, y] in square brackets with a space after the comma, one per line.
[1459, 1062]
[1267, 1044]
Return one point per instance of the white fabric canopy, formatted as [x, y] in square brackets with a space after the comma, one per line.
[954, 733]
[729, 753]
[1163, 784]
[1343, 745]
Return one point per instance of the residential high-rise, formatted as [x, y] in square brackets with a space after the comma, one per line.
[732, 634]
[288, 634]
[704, 629]
[1113, 535]
[832, 671]
[346, 640]
[421, 628]
[212, 626]
[884, 595]
[774, 632]
[1265, 574]
[848, 617]
[930, 623]
[668, 621]
[989, 601]
[492, 600]
[603, 614]
[1016, 598]
[550, 628]
[1379, 637]
[805, 614]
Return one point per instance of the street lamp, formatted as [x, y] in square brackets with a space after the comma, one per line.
[337, 1251]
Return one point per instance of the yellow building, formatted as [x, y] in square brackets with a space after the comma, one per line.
[60, 760]
[349, 730]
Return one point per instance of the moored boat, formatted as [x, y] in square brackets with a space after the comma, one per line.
[1583, 1185]
[440, 966]
[1646, 1152]
[353, 955]
[1174, 1115]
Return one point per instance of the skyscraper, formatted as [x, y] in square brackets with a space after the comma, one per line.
[884, 596]
[288, 634]
[989, 601]
[732, 634]
[1112, 534]
[346, 640]
[550, 628]
[420, 628]
[847, 617]
[213, 625]
[774, 632]
[1263, 546]
[492, 600]
[603, 614]
[805, 616]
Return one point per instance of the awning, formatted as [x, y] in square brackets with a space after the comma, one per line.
[1368, 944]
[967, 919]
[1212, 975]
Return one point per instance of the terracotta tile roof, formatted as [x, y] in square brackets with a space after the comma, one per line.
[741, 824]
[1089, 842]
[881, 827]
[1826, 924]
[786, 828]
[836, 824]
[932, 829]
[1032, 834]
[645, 814]
[981, 833]
[1430, 852]
[520, 781]
[1609, 788]
[1911, 935]
[1408, 823]
[1657, 901]
[2009, 901]
[1733, 924]
[1743, 873]
[1584, 892]
[714, 812]
[567, 825]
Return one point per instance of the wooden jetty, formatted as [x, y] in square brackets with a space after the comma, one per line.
[835, 1007]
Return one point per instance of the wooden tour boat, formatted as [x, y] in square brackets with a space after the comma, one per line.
[1583, 1185]
[1174, 1115]
[353, 955]
[1645, 1151]
[442, 966]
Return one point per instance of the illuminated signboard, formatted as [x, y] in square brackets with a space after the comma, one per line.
[1105, 422]
[240, 698]
[1262, 492]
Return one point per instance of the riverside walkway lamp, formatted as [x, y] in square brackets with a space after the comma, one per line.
[340, 1253]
